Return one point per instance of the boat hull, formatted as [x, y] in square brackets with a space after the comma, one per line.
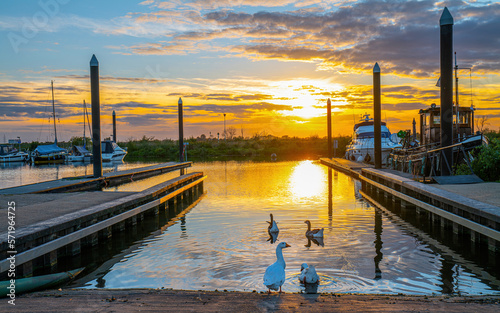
[17, 157]
[367, 155]
[46, 159]
[30, 284]
[78, 158]
[112, 157]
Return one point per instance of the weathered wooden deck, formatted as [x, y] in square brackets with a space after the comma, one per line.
[85, 183]
[473, 208]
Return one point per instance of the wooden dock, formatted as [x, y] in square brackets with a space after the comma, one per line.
[471, 210]
[52, 223]
[88, 183]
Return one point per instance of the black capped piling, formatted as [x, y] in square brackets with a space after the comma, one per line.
[114, 126]
[446, 62]
[181, 135]
[96, 116]
[329, 126]
[414, 130]
[377, 117]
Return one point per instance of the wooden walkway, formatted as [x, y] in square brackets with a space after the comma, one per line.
[473, 206]
[85, 183]
[345, 166]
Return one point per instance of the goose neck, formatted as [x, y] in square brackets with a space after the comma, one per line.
[279, 256]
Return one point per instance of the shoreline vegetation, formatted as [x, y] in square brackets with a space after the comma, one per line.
[238, 148]
[486, 163]
[207, 149]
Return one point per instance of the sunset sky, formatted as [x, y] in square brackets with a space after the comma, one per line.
[269, 66]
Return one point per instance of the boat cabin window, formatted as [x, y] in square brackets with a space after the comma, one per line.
[372, 135]
[106, 147]
[436, 119]
[464, 117]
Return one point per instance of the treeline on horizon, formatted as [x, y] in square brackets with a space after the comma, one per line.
[202, 148]
[255, 148]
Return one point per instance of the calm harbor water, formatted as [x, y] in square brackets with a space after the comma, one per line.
[222, 242]
[17, 174]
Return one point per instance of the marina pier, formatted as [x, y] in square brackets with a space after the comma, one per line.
[58, 218]
[471, 212]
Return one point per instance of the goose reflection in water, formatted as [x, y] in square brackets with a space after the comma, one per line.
[272, 237]
[317, 241]
[311, 288]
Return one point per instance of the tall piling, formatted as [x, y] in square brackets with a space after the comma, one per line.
[377, 117]
[181, 135]
[329, 126]
[446, 53]
[114, 126]
[96, 116]
[414, 130]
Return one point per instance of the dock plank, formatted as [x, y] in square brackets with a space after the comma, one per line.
[35, 208]
[88, 182]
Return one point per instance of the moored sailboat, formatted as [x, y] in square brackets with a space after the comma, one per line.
[49, 153]
[80, 153]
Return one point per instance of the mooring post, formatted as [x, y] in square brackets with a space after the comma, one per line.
[414, 134]
[329, 126]
[96, 116]
[376, 117]
[181, 136]
[114, 126]
[446, 51]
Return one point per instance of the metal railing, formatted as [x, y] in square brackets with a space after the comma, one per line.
[426, 161]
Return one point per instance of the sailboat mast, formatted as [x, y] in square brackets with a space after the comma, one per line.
[53, 111]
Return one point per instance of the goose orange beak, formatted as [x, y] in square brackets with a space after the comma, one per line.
[287, 245]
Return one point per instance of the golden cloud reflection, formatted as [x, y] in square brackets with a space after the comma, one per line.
[307, 180]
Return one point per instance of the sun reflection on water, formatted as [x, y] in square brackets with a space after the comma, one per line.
[307, 180]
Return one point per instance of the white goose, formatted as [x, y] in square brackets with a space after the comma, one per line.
[274, 277]
[273, 227]
[308, 274]
[315, 233]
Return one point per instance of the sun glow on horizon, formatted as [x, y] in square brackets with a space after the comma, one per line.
[307, 97]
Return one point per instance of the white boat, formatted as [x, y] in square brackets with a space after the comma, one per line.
[79, 154]
[111, 151]
[10, 154]
[362, 146]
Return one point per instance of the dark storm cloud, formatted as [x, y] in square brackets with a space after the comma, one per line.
[29, 109]
[147, 119]
[404, 35]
